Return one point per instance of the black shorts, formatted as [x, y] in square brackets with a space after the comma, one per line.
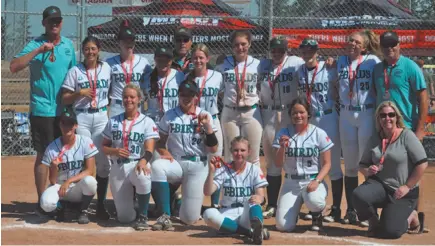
[44, 131]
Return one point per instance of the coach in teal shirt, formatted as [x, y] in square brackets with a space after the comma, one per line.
[49, 58]
[400, 80]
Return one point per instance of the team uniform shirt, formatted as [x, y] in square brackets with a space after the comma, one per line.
[209, 95]
[183, 139]
[230, 82]
[406, 78]
[238, 187]
[141, 67]
[302, 155]
[73, 159]
[322, 87]
[143, 129]
[77, 79]
[46, 77]
[362, 86]
[285, 84]
[170, 93]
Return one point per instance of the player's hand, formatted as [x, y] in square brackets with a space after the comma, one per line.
[121, 152]
[256, 199]
[401, 192]
[142, 167]
[330, 62]
[205, 121]
[46, 47]
[167, 157]
[63, 188]
[420, 134]
[56, 161]
[215, 162]
[284, 141]
[373, 169]
[312, 186]
[87, 93]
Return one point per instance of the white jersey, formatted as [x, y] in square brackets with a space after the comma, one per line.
[141, 66]
[73, 159]
[362, 88]
[302, 155]
[183, 139]
[170, 93]
[77, 79]
[238, 187]
[143, 129]
[229, 86]
[285, 86]
[322, 87]
[209, 95]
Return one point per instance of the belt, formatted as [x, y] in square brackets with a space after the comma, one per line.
[194, 158]
[323, 112]
[300, 177]
[215, 116]
[362, 107]
[121, 161]
[275, 107]
[91, 110]
[234, 205]
[241, 108]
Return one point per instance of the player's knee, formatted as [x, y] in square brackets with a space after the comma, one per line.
[48, 202]
[189, 219]
[285, 225]
[393, 231]
[210, 217]
[143, 185]
[89, 186]
[315, 204]
[125, 216]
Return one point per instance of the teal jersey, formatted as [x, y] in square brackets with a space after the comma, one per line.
[406, 78]
[46, 77]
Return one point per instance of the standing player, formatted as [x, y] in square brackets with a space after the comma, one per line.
[86, 86]
[126, 68]
[243, 184]
[357, 102]
[276, 89]
[187, 136]
[129, 140]
[317, 83]
[71, 163]
[304, 151]
[241, 115]
[209, 83]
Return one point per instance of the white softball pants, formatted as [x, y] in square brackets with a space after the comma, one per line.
[293, 194]
[122, 179]
[49, 198]
[192, 176]
[247, 123]
[92, 126]
[214, 217]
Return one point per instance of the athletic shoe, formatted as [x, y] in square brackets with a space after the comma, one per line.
[350, 217]
[266, 234]
[317, 224]
[60, 215]
[257, 231]
[334, 215]
[364, 223]
[269, 212]
[176, 205]
[141, 223]
[308, 216]
[163, 223]
[83, 217]
[102, 214]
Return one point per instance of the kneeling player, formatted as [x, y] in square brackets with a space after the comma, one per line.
[71, 161]
[243, 184]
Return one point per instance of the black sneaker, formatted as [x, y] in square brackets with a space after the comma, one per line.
[60, 215]
[83, 217]
[317, 224]
[141, 223]
[163, 223]
[257, 231]
[334, 215]
[266, 234]
[350, 217]
[102, 214]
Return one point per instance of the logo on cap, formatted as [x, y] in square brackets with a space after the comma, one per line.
[278, 42]
[163, 50]
[53, 11]
[128, 31]
[187, 85]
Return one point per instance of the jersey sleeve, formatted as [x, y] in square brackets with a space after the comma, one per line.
[259, 178]
[164, 123]
[278, 135]
[416, 78]
[107, 132]
[70, 80]
[151, 129]
[219, 177]
[48, 155]
[325, 143]
[414, 148]
[31, 46]
[73, 60]
[90, 149]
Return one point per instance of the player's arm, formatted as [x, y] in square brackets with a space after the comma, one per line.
[211, 141]
[422, 111]
[161, 146]
[325, 158]
[209, 186]
[21, 62]
[258, 198]
[88, 171]
[110, 151]
[69, 97]
[280, 153]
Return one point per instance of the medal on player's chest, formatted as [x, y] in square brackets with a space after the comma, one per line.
[387, 95]
[94, 103]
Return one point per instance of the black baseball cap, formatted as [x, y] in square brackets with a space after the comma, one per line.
[164, 51]
[68, 117]
[52, 12]
[188, 87]
[126, 33]
[279, 43]
[183, 32]
[389, 39]
[309, 42]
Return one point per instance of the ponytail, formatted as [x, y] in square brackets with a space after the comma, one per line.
[154, 82]
[371, 42]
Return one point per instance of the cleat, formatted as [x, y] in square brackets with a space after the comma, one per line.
[334, 215]
[102, 214]
[141, 223]
[317, 224]
[257, 231]
[308, 216]
[176, 205]
[364, 223]
[60, 215]
[83, 217]
[350, 217]
[269, 212]
[163, 223]
[266, 234]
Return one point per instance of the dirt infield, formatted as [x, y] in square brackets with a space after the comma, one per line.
[21, 226]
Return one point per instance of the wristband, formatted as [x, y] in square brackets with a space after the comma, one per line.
[318, 181]
[210, 140]
[147, 156]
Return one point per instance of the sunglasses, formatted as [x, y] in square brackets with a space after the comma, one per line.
[390, 115]
[182, 40]
[56, 21]
[389, 45]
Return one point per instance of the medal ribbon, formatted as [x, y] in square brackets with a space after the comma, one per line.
[385, 144]
[202, 86]
[93, 85]
[65, 148]
[311, 85]
[162, 90]
[352, 78]
[241, 81]
[278, 72]
[124, 70]
[125, 134]
[387, 77]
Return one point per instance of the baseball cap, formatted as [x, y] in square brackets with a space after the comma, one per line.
[279, 43]
[126, 33]
[183, 32]
[68, 117]
[51, 12]
[164, 51]
[309, 42]
[189, 87]
[389, 39]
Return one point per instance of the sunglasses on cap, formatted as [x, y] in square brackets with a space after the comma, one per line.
[390, 115]
[309, 43]
[182, 40]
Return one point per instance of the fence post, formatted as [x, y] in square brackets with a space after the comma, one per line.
[270, 24]
[82, 24]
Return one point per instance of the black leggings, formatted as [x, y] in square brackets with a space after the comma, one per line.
[373, 194]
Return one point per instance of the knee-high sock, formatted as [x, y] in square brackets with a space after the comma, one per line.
[273, 189]
[350, 184]
[86, 201]
[256, 212]
[102, 184]
[144, 201]
[161, 196]
[215, 197]
[229, 225]
[337, 192]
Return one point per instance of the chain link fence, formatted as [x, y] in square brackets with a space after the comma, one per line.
[212, 21]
